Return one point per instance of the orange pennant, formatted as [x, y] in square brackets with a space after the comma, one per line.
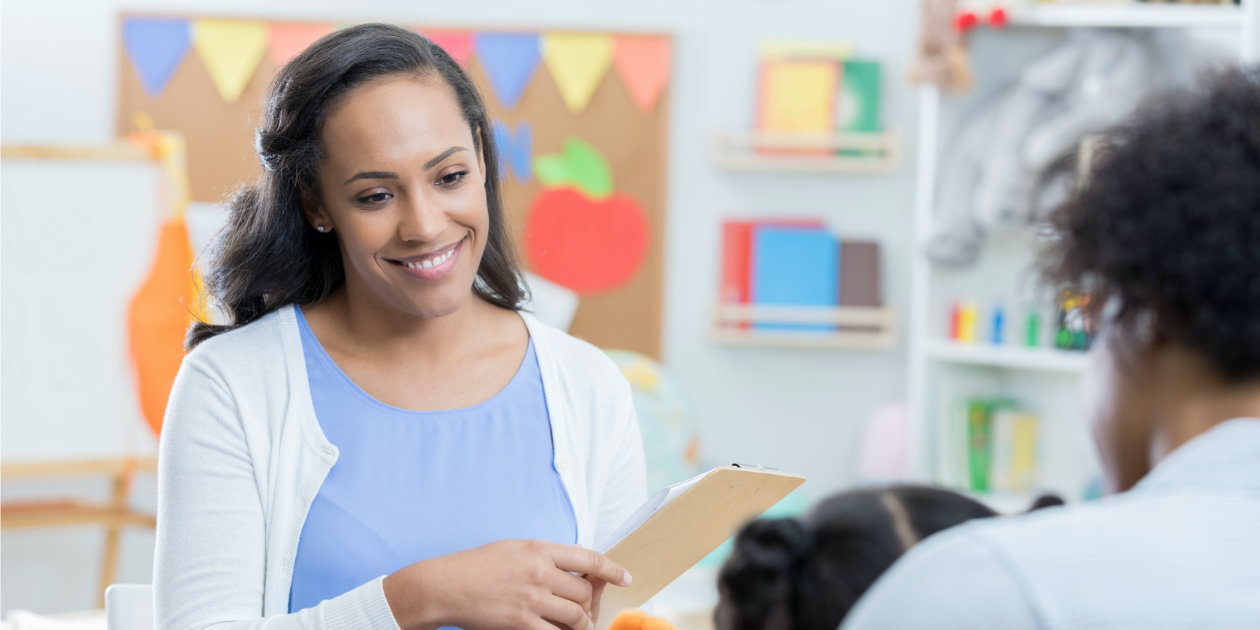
[286, 39]
[643, 63]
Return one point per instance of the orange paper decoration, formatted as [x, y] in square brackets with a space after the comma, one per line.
[643, 63]
[160, 314]
[639, 620]
[457, 44]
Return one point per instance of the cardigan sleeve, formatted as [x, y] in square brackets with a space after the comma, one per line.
[210, 558]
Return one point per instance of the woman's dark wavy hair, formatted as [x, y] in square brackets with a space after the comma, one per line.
[269, 256]
[805, 574]
[1167, 228]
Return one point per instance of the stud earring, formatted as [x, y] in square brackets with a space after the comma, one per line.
[320, 228]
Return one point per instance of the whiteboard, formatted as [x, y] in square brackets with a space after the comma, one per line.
[76, 240]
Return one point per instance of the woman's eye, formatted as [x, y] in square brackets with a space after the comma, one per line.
[453, 178]
[375, 198]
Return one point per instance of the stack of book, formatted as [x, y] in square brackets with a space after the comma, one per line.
[818, 89]
[795, 263]
[992, 445]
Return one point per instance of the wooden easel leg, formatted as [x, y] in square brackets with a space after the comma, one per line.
[118, 501]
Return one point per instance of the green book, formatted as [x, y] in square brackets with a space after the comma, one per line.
[979, 450]
[860, 99]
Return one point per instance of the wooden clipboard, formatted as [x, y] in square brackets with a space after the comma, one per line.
[689, 528]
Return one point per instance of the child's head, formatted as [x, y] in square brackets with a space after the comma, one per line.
[1165, 238]
[805, 574]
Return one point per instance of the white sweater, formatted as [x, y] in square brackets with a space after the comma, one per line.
[242, 457]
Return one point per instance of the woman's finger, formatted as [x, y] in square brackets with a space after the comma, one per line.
[566, 612]
[578, 560]
[573, 588]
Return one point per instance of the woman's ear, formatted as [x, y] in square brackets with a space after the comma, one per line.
[315, 213]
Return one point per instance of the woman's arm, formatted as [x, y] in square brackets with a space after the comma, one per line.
[210, 561]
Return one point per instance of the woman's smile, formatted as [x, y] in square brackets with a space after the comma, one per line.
[432, 265]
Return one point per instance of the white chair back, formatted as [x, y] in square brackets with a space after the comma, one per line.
[129, 607]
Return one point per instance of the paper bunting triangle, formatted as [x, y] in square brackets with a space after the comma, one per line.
[515, 150]
[643, 63]
[286, 39]
[577, 61]
[231, 50]
[156, 47]
[457, 44]
[510, 60]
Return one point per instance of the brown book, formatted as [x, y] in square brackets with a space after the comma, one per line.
[859, 274]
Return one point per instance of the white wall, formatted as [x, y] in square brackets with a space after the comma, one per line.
[796, 410]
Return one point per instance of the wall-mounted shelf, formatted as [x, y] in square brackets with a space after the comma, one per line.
[1011, 357]
[754, 151]
[1128, 15]
[857, 328]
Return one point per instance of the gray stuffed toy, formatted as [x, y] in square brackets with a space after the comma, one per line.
[999, 171]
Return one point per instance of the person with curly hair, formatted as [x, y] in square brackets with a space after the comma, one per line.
[1165, 238]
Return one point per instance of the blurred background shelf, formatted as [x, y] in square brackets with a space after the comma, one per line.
[754, 151]
[857, 328]
[1128, 15]
[1013, 357]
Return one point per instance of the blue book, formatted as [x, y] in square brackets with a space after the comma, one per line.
[795, 267]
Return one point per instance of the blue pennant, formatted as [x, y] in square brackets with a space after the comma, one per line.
[156, 47]
[510, 60]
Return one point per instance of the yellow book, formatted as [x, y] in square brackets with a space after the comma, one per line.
[798, 95]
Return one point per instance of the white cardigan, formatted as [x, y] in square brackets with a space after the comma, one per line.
[242, 457]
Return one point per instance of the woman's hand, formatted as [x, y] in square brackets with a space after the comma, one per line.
[509, 584]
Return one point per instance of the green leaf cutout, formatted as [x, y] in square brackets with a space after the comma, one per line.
[579, 165]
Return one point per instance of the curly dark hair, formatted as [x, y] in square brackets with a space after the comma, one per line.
[1167, 229]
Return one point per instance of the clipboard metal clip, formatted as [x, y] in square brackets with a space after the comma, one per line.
[755, 467]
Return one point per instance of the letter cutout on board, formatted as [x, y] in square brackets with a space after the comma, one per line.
[642, 61]
[579, 233]
[515, 150]
[510, 61]
[286, 39]
[156, 47]
[457, 44]
[231, 51]
[578, 62]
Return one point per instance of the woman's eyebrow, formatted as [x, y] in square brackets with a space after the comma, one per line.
[392, 175]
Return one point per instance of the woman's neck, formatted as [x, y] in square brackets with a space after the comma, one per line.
[1194, 398]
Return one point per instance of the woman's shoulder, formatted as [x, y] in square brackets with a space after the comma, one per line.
[575, 359]
[256, 346]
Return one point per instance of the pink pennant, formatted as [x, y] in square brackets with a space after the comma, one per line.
[286, 39]
[457, 44]
[643, 63]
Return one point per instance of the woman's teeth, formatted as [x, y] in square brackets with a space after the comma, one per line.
[429, 262]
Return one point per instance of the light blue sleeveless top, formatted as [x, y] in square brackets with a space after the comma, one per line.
[413, 485]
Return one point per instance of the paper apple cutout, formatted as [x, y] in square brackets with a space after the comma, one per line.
[579, 232]
[588, 246]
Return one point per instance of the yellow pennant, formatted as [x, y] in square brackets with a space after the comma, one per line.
[231, 51]
[578, 62]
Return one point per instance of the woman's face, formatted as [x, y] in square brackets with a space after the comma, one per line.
[403, 189]
[1120, 404]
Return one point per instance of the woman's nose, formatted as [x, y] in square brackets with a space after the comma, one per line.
[421, 219]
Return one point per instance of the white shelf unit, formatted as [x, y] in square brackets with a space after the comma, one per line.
[1128, 15]
[942, 371]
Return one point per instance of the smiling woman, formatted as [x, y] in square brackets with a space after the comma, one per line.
[378, 438]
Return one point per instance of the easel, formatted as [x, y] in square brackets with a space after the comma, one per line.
[114, 515]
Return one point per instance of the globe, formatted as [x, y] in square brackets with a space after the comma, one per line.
[671, 436]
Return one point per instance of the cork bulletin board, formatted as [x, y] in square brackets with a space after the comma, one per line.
[617, 121]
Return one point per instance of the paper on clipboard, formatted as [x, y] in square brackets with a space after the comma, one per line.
[682, 524]
[645, 511]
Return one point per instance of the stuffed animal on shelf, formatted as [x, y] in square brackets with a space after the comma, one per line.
[941, 57]
[991, 13]
[998, 174]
